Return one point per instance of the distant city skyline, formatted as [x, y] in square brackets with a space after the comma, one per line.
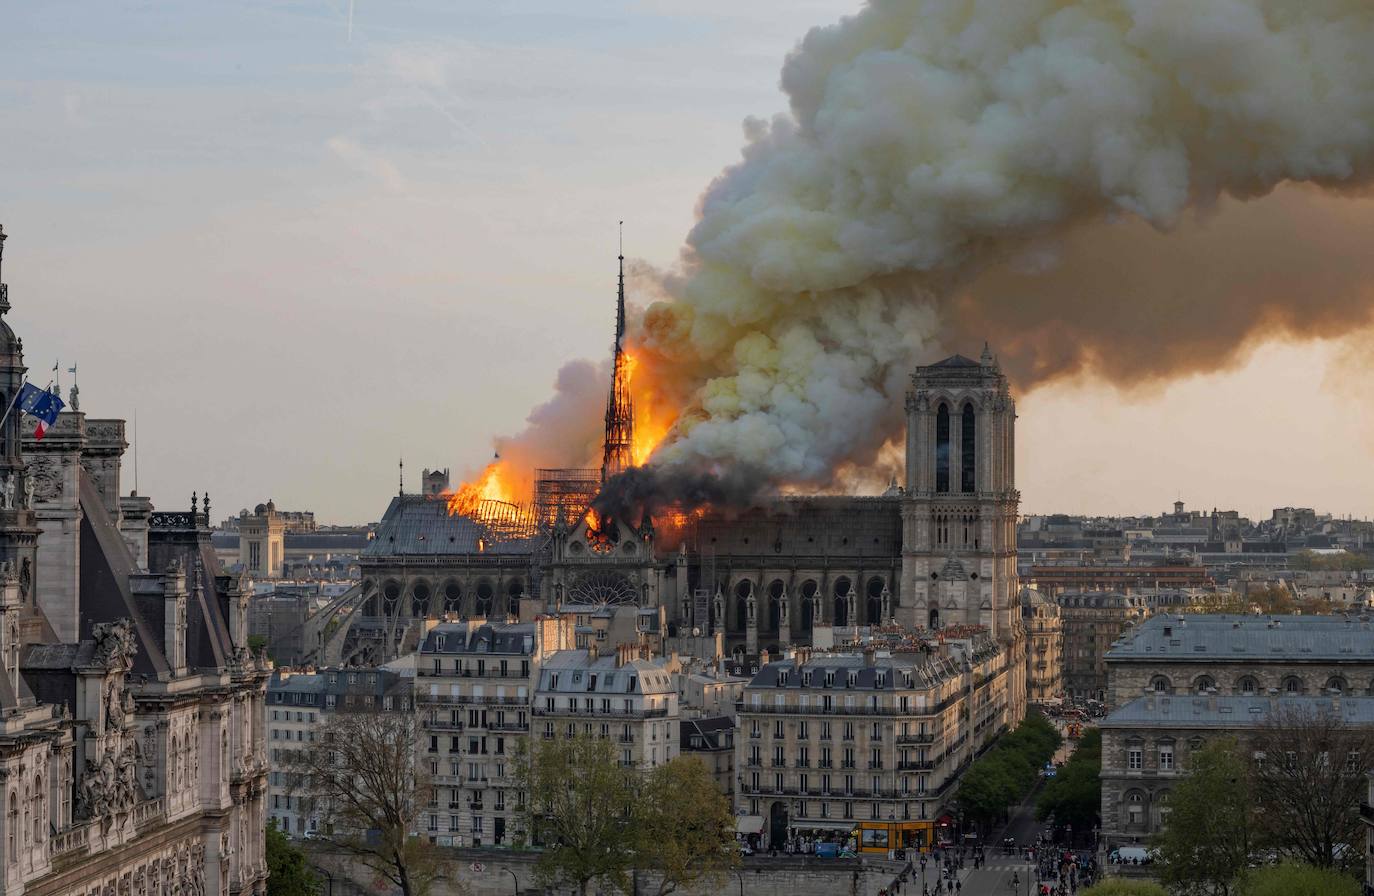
[307, 254]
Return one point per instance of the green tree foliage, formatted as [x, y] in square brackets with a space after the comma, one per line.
[288, 873]
[685, 827]
[580, 809]
[363, 783]
[1208, 839]
[1290, 879]
[1342, 562]
[1074, 796]
[1120, 887]
[1007, 771]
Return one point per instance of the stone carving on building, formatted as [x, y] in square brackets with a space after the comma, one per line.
[114, 644]
[28, 492]
[110, 787]
[7, 492]
[47, 476]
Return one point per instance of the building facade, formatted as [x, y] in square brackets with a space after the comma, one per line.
[629, 697]
[299, 704]
[1147, 744]
[473, 690]
[131, 737]
[1044, 647]
[262, 542]
[1091, 622]
[827, 741]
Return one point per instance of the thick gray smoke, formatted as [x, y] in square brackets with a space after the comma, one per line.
[949, 168]
[1086, 184]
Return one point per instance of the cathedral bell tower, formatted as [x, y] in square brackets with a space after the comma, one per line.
[18, 524]
[959, 512]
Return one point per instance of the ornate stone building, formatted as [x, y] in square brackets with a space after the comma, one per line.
[131, 737]
[1091, 622]
[1045, 647]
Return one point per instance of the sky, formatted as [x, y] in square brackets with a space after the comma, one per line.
[300, 250]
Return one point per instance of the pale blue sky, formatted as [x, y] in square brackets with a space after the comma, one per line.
[300, 256]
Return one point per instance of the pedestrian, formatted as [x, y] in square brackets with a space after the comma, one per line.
[958, 886]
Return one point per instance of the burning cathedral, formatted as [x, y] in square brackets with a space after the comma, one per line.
[937, 552]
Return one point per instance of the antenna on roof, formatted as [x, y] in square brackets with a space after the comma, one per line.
[401, 477]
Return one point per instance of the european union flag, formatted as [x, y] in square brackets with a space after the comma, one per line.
[42, 405]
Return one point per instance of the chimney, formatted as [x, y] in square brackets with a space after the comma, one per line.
[870, 657]
[591, 651]
[763, 658]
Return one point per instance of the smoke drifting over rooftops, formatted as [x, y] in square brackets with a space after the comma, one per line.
[1088, 185]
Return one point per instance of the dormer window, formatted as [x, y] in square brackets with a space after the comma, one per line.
[782, 679]
[438, 642]
[830, 679]
[806, 679]
[881, 679]
[851, 679]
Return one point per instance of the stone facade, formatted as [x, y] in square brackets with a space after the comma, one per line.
[131, 737]
[474, 690]
[262, 542]
[1091, 622]
[825, 741]
[298, 705]
[1045, 653]
[628, 697]
[1147, 744]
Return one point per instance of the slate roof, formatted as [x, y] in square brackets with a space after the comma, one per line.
[574, 666]
[1230, 711]
[924, 674]
[1225, 637]
[956, 361]
[712, 732]
[417, 524]
[512, 639]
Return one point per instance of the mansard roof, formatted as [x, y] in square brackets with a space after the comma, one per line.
[489, 639]
[419, 524]
[1225, 637]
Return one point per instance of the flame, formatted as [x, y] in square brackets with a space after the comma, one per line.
[492, 485]
[652, 421]
[602, 533]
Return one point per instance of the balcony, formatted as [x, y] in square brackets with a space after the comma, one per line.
[923, 738]
[442, 725]
[916, 766]
[565, 713]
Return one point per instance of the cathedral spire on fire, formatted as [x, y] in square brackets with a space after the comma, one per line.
[620, 417]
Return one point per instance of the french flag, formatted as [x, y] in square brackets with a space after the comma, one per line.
[42, 405]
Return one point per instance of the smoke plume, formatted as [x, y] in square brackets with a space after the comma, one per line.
[1088, 185]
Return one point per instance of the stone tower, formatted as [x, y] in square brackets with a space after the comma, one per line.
[18, 524]
[959, 512]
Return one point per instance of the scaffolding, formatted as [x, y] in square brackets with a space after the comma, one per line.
[506, 521]
[567, 489]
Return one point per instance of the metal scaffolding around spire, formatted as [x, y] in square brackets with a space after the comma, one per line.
[620, 418]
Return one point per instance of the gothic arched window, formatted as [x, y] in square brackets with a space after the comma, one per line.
[942, 448]
[968, 452]
[13, 827]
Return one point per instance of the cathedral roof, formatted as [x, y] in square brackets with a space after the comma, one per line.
[956, 361]
[418, 524]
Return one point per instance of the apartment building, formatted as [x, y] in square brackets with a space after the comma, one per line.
[473, 686]
[872, 740]
[627, 696]
[298, 705]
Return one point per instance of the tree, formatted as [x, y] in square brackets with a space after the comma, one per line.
[1119, 887]
[362, 782]
[685, 827]
[1298, 880]
[579, 809]
[1207, 841]
[287, 871]
[1309, 774]
[1074, 796]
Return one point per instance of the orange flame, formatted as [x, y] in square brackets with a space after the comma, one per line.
[491, 485]
[652, 422]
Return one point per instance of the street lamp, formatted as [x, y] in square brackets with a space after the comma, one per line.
[513, 878]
